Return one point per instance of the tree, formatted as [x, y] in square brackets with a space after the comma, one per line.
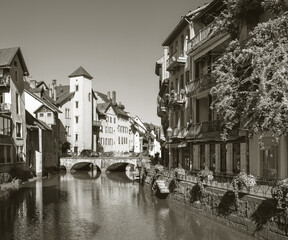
[251, 88]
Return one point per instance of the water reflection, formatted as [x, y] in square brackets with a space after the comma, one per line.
[120, 176]
[86, 175]
[109, 206]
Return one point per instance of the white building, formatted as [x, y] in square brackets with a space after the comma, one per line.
[78, 107]
[116, 127]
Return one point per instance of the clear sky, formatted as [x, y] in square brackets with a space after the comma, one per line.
[116, 41]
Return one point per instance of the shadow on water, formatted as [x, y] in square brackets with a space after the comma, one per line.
[86, 175]
[118, 177]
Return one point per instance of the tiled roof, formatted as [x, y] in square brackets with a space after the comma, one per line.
[63, 97]
[103, 96]
[121, 112]
[45, 100]
[8, 54]
[63, 93]
[102, 107]
[80, 72]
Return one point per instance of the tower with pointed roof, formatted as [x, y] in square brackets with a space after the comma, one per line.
[81, 110]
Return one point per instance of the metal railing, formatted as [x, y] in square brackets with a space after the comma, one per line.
[223, 181]
[178, 56]
[203, 34]
[200, 84]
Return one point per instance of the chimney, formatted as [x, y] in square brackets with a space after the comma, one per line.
[33, 83]
[50, 91]
[113, 97]
[108, 95]
[54, 82]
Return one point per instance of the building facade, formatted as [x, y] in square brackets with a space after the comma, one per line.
[13, 71]
[77, 102]
[196, 140]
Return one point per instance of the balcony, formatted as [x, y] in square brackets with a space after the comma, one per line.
[96, 123]
[203, 35]
[4, 84]
[5, 108]
[176, 60]
[177, 99]
[200, 84]
[204, 127]
[161, 108]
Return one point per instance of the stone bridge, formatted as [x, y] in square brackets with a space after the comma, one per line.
[101, 162]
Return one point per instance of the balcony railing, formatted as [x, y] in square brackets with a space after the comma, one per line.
[177, 98]
[5, 108]
[202, 35]
[200, 84]
[205, 127]
[178, 58]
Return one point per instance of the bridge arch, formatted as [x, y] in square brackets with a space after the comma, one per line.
[102, 163]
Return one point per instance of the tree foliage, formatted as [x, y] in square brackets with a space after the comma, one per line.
[251, 88]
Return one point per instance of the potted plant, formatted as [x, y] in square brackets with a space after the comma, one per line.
[204, 175]
[241, 181]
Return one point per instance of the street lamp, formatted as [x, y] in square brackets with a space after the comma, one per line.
[169, 134]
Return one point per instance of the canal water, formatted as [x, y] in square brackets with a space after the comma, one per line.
[104, 206]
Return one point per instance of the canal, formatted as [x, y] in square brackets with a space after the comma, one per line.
[100, 206]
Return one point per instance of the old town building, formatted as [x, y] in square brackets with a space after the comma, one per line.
[13, 71]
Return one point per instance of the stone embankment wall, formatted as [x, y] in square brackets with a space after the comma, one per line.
[257, 216]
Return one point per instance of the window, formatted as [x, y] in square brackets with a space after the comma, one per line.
[76, 104]
[17, 103]
[269, 158]
[76, 137]
[181, 81]
[8, 154]
[15, 63]
[110, 119]
[5, 126]
[236, 157]
[67, 130]
[77, 88]
[5, 154]
[67, 113]
[41, 114]
[187, 76]
[1, 98]
[223, 157]
[18, 130]
[20, 154]
[2, 154]
[212, 157]
[76, 119]
[182, 119]
[202, 156]
[49, 114]
[114, 120]
[16, 76]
